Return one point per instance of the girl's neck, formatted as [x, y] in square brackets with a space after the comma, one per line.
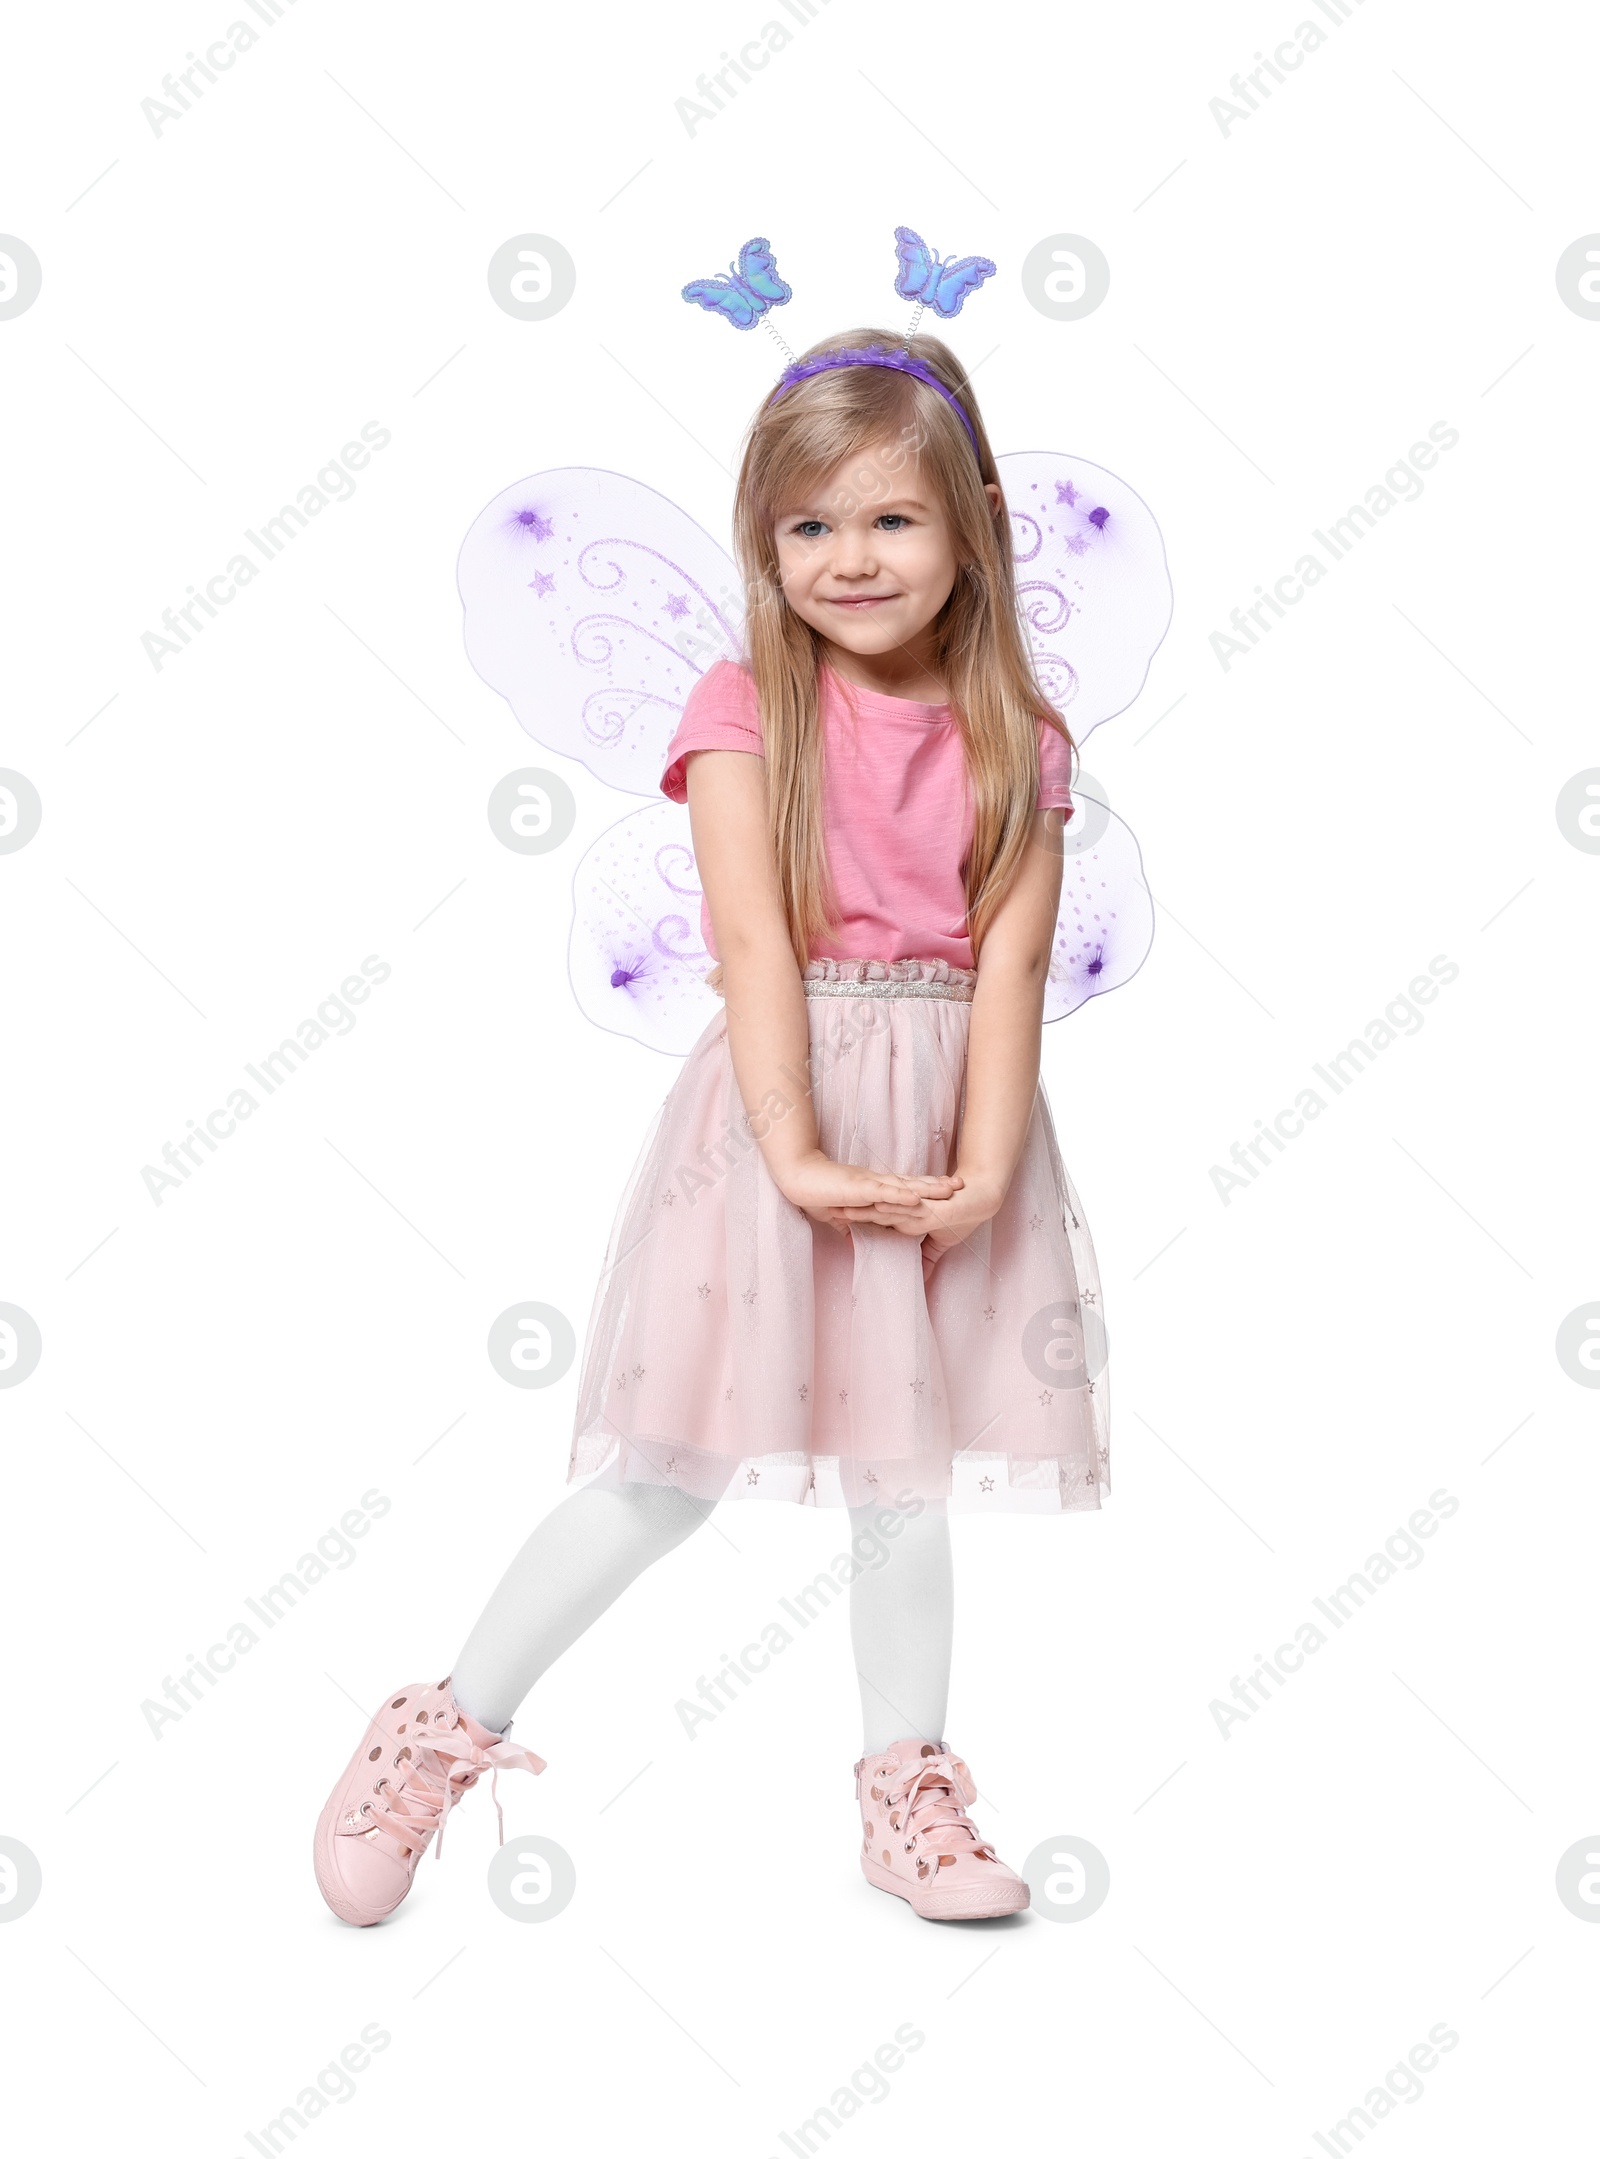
[901, 673]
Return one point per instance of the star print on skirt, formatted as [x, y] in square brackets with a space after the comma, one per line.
[736, 1349]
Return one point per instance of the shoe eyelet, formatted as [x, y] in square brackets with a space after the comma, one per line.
[381, 1784]
[399, 1702]
[365, 1807]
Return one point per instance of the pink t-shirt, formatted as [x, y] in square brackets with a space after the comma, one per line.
[896, 812]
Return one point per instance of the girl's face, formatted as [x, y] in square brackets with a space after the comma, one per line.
[869, 560]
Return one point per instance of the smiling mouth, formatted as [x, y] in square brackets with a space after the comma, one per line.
[875, 599]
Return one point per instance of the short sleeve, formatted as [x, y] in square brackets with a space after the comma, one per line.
[721, 714]
[1055, 768]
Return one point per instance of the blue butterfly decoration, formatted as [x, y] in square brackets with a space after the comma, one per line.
[744, 295]
[924, 278]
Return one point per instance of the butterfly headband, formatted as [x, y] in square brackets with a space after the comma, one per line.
[753, 285]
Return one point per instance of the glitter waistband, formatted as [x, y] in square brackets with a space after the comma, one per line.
[889, 978]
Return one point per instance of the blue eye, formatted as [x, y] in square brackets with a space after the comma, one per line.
[893, 521]
[809, 528]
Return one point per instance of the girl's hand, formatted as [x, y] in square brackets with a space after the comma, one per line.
[955, 1219]
[839, 1193]
[942, 1222]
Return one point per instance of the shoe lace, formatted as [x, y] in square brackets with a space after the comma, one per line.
[442, 1767]
[928, 1804]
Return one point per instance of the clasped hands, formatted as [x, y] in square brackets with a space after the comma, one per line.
[941, 1211]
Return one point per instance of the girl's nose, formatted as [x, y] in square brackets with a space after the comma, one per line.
[852, 555]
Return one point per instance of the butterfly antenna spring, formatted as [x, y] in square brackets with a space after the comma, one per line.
[916, 317]
[776, 335]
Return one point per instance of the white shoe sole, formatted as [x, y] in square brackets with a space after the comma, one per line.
[974, 1901]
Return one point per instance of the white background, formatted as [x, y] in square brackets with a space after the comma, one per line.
[1294, 1906]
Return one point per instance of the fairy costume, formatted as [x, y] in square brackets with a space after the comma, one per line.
[735, 1350]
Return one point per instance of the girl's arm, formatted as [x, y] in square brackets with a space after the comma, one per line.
[768, 1032]
[1002, 1050]
[1007, 1018]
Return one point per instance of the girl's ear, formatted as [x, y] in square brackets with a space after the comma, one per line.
[993, 493]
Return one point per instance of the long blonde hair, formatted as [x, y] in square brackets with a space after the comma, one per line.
[982, 654]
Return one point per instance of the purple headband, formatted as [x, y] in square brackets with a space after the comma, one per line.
[753, 286]
[902, 362]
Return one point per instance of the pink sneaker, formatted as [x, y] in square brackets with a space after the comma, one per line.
[420, 1753]
[919, 1843]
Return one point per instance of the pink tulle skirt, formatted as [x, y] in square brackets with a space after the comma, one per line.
[740, 1351]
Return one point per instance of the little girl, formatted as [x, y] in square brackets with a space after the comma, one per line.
[849, 1269]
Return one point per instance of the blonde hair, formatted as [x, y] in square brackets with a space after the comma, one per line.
[982, 655]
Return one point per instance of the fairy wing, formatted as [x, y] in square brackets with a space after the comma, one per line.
[1092, 581]
[594, 605]
[1107, 916]
[1096, 598]
[636, 958]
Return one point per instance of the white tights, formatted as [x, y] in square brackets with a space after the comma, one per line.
[588, 1549]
